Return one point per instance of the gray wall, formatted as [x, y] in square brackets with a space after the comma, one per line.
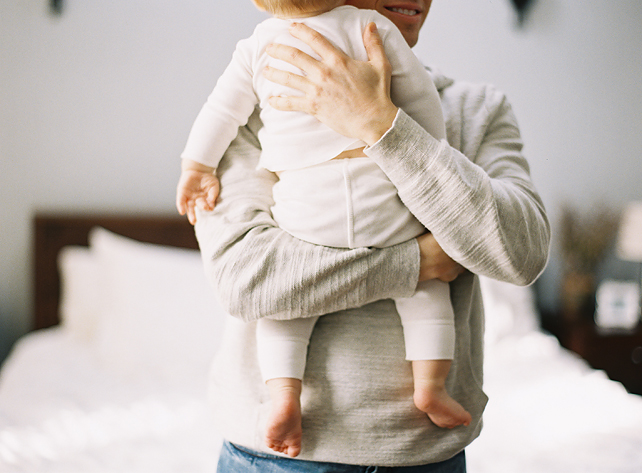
[95, 105]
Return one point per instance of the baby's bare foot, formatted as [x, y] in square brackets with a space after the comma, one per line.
[442, 409]
[283, 431]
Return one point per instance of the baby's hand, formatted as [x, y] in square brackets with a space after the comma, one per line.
[196, 188]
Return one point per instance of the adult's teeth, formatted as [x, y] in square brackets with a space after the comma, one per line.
[403, 11]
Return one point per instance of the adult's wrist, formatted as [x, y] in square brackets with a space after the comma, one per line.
[380, 125]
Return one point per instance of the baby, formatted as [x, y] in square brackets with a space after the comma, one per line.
[328, 193]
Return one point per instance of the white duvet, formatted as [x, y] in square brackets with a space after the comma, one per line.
[61, 411]
[108, 390]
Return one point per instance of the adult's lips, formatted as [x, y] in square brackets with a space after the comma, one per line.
[406, 10]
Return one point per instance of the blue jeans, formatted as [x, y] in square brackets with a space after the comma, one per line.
[236, 459]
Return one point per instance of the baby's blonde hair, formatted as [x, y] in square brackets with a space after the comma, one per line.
[289, 7]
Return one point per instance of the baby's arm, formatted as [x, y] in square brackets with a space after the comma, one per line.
[229, 106]
[197, 187]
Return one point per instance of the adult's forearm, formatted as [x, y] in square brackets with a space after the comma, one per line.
[258, 270]
[486, 215]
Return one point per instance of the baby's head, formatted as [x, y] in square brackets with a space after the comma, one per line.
[288, 8]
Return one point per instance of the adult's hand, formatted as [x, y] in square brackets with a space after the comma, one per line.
[351, 97]
[434, 262]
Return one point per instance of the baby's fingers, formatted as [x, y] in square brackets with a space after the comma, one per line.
[191, 212]
[205, 203]
[212, 195]
[181, 204]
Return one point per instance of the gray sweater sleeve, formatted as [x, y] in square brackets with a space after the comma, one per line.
[258, 270]
[475, 194]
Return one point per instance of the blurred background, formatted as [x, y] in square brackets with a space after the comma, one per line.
[96, 102]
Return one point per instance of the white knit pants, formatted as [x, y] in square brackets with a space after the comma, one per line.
[350, 203]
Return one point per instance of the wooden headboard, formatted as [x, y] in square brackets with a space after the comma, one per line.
[54, 231]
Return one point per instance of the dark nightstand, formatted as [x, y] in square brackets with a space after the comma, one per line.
[619, 354]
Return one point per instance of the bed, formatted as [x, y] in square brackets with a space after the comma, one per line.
[113, 378]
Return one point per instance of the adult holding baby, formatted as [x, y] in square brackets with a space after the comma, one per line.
[475, 195]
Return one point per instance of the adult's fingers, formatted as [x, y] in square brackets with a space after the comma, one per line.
[290, 104]
[374, 45]
[452, 273]
[286, 78]
[315, 40]
[292, 55]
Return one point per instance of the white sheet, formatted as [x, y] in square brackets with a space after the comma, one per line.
[549, 412]
[61, 411]
[71, 402]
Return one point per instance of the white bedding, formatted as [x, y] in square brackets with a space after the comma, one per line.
[104, 393]
[548, 411]
[62, 411]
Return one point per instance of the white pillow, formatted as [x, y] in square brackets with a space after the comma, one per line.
[79, 292]
[159, 317]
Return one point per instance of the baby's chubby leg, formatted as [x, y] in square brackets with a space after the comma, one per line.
[431, 396]
[283, 431]
[282, 350]
[429, 334]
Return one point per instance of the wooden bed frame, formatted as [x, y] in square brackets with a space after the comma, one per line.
[54, 231]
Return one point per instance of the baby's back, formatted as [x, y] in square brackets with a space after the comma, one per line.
[292, 140]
